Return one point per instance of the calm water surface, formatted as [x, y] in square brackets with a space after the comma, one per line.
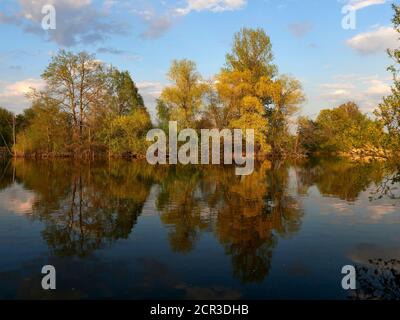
[133, 231]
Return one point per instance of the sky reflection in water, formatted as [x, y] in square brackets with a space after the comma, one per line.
[134, 231]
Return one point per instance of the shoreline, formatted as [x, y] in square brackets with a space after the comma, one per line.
[358, 156]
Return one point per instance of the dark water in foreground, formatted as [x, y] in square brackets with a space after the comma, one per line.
[134, 231]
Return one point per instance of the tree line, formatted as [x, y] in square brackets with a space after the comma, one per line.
[89, 108]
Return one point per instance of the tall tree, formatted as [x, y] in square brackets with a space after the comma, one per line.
[76, 82]
[184, 97]
[252, 51]
[245, 85]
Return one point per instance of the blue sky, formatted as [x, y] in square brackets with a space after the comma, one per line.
[143, 37]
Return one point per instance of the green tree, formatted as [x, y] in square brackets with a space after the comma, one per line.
[184, 97]
[47, 132]
[76, 82]
[128, 133]
[6, 128]
[85, 109]
[123, 93]
[121, 105]
[345, 127]
[341, 129]
[307, 133]
[24, 119]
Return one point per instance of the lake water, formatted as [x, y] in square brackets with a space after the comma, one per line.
[126, 230]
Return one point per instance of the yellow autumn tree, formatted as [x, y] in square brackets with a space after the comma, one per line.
[245, 84]
[184, 97]
[253, 95]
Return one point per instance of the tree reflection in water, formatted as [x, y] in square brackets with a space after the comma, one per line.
[6, 173]
[245, 213]
[339, 178]
[88, 206]
[84, 207]
[389, 186]
[179, 203]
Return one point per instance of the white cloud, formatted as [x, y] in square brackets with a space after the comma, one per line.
[158, 23]
[13, 95]
[17, 200]
[367, 91]
[378, 88]
[378, 40]
[76, 21]
[337, 86]
[361, 4]
[21, 87]
[211, 5]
